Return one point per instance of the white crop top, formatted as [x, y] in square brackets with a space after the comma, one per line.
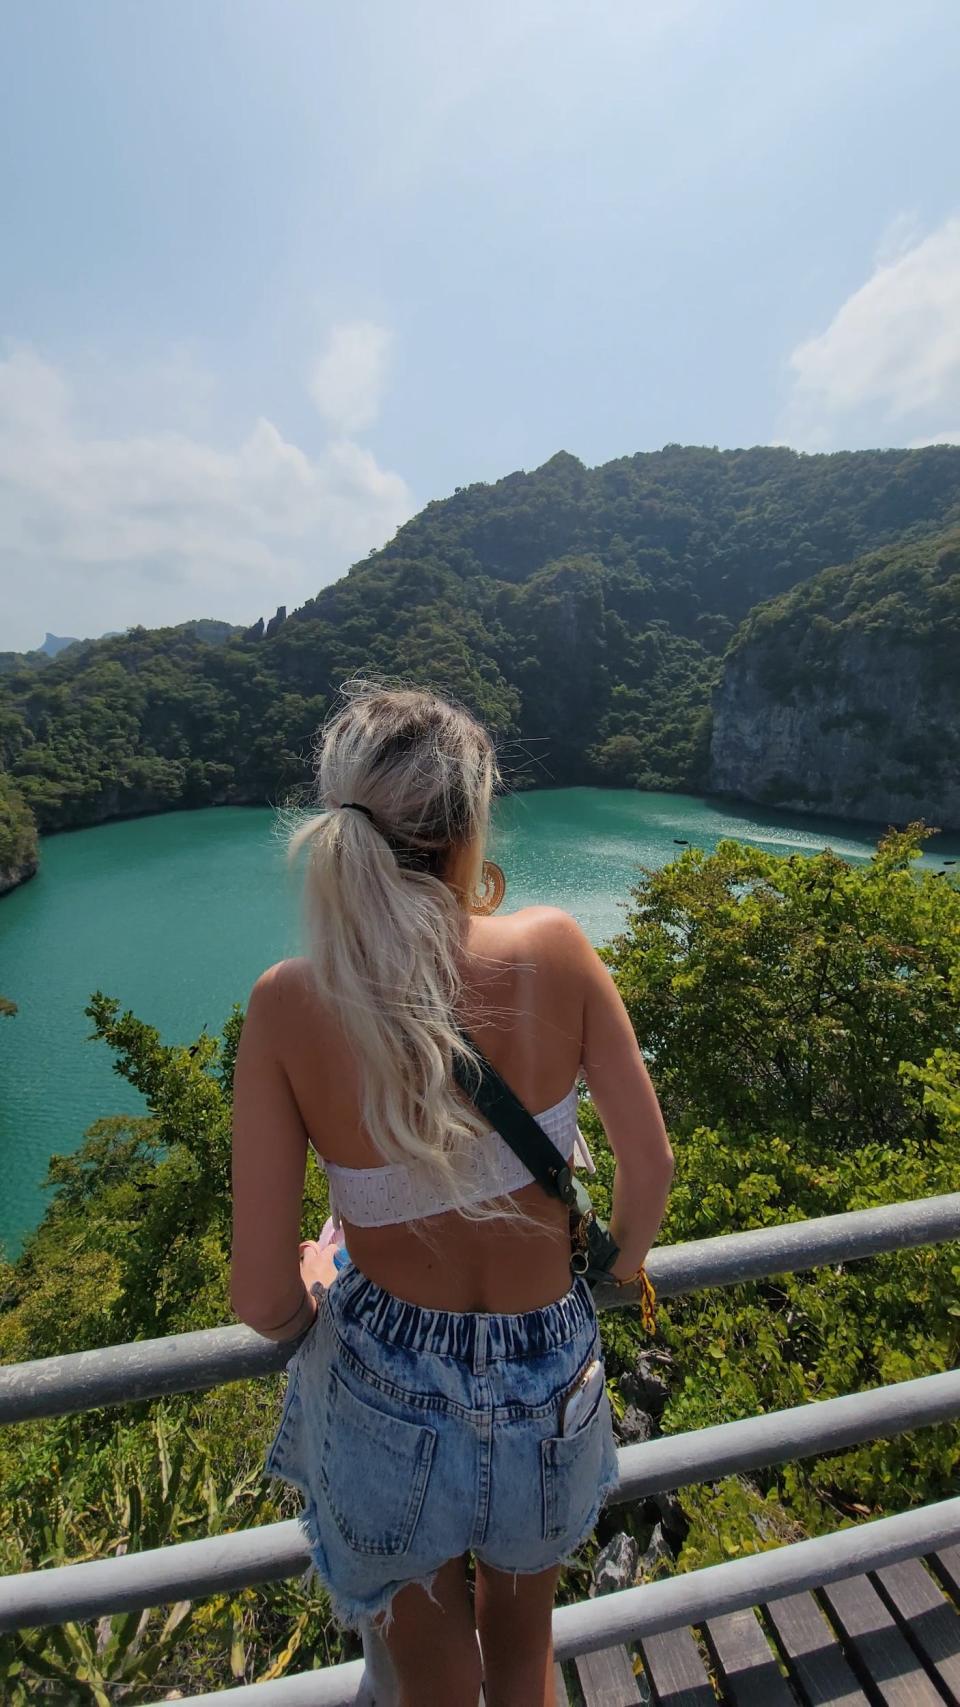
[381, 1197]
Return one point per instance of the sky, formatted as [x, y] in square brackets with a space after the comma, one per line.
[275, 273]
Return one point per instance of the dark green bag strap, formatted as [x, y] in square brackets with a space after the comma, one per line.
[517, 1126]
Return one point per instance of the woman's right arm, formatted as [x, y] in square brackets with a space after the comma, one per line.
[628, 1108]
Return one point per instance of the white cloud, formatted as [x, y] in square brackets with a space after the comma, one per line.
[348, 379]
[98, 532]
[888, 365]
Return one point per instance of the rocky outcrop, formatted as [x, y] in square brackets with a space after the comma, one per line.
[11, 876]
[844, 698]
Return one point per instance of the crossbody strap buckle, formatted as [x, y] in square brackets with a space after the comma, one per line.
[566, 1190]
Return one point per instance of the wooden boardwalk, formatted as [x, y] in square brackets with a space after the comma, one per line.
[891, 1639]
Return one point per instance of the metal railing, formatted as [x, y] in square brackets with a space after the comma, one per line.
[186, 1363]
[225, 1563]
[190, 1362]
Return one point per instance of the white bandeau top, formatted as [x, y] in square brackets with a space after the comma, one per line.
[381, 1197]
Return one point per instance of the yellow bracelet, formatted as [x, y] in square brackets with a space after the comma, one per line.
[647, 1299]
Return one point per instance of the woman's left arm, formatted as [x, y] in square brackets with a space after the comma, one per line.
[267, 1288]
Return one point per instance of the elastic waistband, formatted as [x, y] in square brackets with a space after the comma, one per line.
[472, 1337]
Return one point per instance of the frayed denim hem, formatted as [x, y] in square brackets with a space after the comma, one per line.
[373, 1611]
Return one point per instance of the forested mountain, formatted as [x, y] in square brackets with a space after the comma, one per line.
[583, 612]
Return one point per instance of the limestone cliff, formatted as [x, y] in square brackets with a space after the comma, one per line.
[844, 696]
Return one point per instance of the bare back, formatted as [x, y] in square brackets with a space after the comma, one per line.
[523, 1002]
[543, 1007]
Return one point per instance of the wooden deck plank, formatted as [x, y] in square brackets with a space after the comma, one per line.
[877, 1647]
[607, 1678]
[947, 1566]
[814, 1657]
[934, 1623]
[676, 1671]
[745, 1662]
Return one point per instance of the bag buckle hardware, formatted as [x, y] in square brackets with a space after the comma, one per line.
[564, 1184]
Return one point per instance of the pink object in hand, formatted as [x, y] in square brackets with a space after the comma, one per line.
[330, 1236]
[318, 1257]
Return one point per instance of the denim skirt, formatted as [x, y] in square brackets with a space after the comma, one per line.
[416, 1436]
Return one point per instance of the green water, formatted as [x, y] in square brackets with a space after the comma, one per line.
[177, 915]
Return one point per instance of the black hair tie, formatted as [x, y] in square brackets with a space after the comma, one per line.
[354, 806]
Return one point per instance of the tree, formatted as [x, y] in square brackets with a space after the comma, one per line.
[18, 834]
[800, 1017]
[782, 994]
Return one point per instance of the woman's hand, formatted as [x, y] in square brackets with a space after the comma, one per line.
[317, 1264]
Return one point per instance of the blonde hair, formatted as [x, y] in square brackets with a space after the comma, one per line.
[405, 781]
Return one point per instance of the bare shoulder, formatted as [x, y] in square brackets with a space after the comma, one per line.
[549, 934]
[280, 990]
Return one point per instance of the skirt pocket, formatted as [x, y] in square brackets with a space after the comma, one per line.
[374, 1472]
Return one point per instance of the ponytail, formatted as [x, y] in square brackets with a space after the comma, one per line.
[405, 782]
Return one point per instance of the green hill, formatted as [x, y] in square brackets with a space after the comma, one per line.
[583, 612]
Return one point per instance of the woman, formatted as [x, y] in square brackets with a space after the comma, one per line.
[428, 1414]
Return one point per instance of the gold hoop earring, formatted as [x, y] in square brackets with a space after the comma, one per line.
[493, 888]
